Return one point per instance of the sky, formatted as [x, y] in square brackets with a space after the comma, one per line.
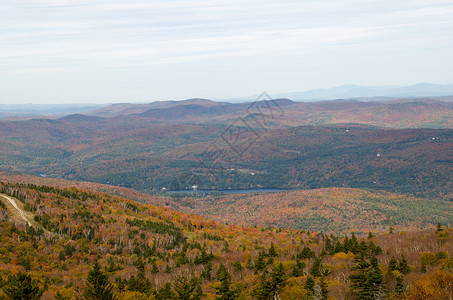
[95, 51]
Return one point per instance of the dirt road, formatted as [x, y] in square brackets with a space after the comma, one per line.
[14, 204]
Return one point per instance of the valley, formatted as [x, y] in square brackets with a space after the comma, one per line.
[207, 200]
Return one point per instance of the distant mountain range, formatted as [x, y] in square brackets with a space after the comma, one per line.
[438, 92]
[17, 111]
[358, 91]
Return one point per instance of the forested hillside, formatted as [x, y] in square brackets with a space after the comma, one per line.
[81, 240]
[331, 210]
[149, 155]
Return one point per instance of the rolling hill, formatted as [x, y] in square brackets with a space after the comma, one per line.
[150, 154]
[149, 252]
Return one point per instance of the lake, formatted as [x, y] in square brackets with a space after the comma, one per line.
[238, 191]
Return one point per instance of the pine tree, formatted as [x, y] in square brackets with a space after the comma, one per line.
[316, 268]
[98, 285]
[338, 247]
[139, 283]
[393, 265]
[22, 287]
[306, 253]
[438, 227]
[324, 291]
[264, 290]
[222, 273]
[155, 269]
[399, 287]
[270, 287]
[272, 251]
[224, 292]
[309, 284]
[165, 292]
[372, 288]
[278, 278]
[260, 264]
[403, 267]
[360, 276]
[423, 268]
[206, 273]
[298, 269]
[187, 289]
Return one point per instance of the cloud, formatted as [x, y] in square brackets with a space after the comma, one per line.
[51, 36]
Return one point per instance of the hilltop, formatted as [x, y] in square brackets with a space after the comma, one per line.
[141, 247]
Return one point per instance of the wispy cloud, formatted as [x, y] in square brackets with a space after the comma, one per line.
[61, 36]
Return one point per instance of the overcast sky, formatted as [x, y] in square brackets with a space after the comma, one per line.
[61, 51]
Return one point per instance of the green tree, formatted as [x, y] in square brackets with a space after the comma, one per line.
[165, 292]
[206, 273]
[360, 275]
[272, 251]
[139, 283]
[309, 284]
[438, 227]
[399, 286]
[155, 269]
[269, 287]
[298, 269]
[97, 285]
[316, 267]
[260, 263]
[187, 289]
[278, 278]
[324, 290]
[393, 265]
[403, 267]
[22, 287]
[372, 288]
[263, 291]
[224, 291]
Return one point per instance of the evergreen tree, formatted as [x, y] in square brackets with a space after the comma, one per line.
[316, 268]
[139, 283]
[155, 269]
[306, 253]
[438, 227]
[423, 268]
[399, 287]
[272, 251]
[264, 290]
[269, 288]
[187, 289]
[222, 273]
[224, 292]
[206, 273]
[260, 264]
[165, 292]
[393, 265]
[403, 267]
[278, 278]
[372, 288]
[309, 284]
[324, 291]
[98, 285]
[338, 248]
[298, 269]
[22, 287]
[360, 276]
